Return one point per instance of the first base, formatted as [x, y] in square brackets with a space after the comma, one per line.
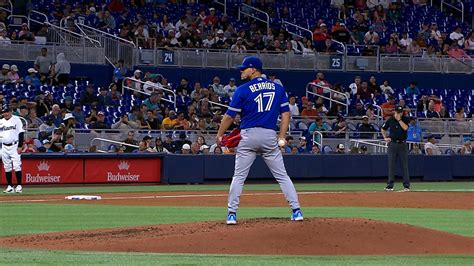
[83, 197]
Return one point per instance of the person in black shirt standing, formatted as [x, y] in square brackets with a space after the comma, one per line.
[397, 146]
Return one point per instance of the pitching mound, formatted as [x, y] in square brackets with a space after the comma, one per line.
[318, 236]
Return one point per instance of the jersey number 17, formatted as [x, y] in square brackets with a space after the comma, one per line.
[261, 98]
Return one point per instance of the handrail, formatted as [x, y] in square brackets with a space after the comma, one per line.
[8, 10]
[284, 22]
[124, 86]
[39, 13]
[112, 141]
[341, 44]
[19, 16]
[106, 34]
[96, 42]
[267, 21]
[455, 8]
[346, 104]
[378, 147]
[222, 4]
[320, 143]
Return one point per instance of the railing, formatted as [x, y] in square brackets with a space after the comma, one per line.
[309, 90]
[222, 3]
[142, 91]
[246, 10]
[287, 23]
[443, 3]
[115, 48]
[315, 140]
[379, 146]
[110, 141]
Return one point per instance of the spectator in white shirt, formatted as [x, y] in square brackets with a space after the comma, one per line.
[3, 37]
[386, 89]
[457, 36]
[405, 41]
[294, 110]
[272, 77]
[238, 46]
[230, 88]
[355, 85]
[430, 147]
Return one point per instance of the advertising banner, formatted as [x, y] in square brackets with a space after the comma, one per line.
[49, 171]
[121, 170]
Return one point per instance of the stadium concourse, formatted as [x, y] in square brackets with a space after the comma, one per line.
[59, 109]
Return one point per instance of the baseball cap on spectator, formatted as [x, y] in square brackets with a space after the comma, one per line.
[6, 66]
[14, 68]
[323, 25]
[46, 141]
[303, 138]
[32, 70]
[232, 79]
[137, 71]
[69, 147]
[212, 9]
[365, 117]
[147, 137]
[100, 113]
[112, 148]
[68, 98]
[220, 32]
[46, 93]
[92, 9]
[68, 116]
[23, 107]
[203, 147]
[399, 109]
[467, 139]
[186, 146]
[340, 146]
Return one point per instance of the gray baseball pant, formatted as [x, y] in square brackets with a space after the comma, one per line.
[264, 141]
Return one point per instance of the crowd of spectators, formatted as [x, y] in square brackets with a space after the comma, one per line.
[359, 23]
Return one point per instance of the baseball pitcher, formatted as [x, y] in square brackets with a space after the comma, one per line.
[12, 136]
[259, 102]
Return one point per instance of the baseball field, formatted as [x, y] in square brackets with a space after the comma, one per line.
[345, 223]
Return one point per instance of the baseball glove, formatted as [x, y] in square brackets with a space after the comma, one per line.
[232, 139]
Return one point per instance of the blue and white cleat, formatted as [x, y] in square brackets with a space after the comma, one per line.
[297, 215]
[231, 219]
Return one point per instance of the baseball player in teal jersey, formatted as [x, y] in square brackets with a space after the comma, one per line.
[259, 102]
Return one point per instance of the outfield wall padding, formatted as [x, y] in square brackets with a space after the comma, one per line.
[85, 168]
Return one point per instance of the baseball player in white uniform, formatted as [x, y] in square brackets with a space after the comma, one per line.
[12, 136]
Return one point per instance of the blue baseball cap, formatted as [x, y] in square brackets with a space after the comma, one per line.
[250, 62]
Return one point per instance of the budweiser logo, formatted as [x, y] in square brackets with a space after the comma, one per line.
[123, 165]
[43, 166]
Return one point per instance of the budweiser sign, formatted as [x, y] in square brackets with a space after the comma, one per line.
[52, 171]
[130, 170]
[123, 177]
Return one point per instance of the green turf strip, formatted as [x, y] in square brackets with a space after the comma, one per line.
[28, 257]
[38, 218]
[435, 186]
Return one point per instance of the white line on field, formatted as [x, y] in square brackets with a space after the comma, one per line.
[225, 195]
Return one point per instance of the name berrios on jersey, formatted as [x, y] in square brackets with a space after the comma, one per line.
[262, 86]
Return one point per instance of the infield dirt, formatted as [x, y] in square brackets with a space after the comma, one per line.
[315, 236]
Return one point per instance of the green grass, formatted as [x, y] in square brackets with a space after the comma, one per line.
[30, 218]
[25, 257]
[436, 186]
[39, 218]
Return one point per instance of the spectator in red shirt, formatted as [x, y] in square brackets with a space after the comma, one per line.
[457, 53]
[388, 107]
[212, 19]
[320, 34]
[116, 6]
[322, 83]
[309, 111]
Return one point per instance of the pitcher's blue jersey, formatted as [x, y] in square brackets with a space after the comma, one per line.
[259, 103]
